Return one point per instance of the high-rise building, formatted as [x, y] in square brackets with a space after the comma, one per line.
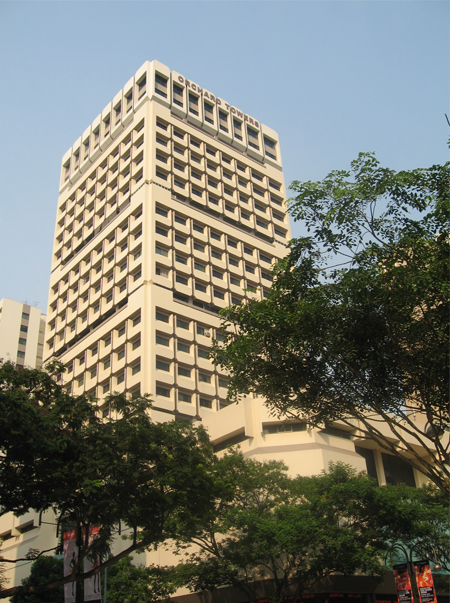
[171, 207]
[22, 330]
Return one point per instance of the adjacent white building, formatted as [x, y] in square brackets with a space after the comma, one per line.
[22, 329]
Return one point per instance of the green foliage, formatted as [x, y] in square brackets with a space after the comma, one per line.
[128, 583]
[56, 452]
[365, 340]
[296, 531]
[43, 571]
[267, 525]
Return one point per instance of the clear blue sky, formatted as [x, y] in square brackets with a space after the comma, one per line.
[333, 78]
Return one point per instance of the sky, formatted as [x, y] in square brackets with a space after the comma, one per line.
[333, 78]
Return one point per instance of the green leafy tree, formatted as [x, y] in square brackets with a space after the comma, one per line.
[57, 453]
[355, 327]
[267, 526]
[295, 532]
[44, 570]
[129, 583]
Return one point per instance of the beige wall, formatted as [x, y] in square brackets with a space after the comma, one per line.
[12, 318]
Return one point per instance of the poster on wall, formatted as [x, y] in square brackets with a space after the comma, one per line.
[70, 560]
[403, 583]
[424, 579]
[92, 586]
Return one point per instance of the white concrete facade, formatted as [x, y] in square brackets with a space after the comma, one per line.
[171, 207]
[22, 329]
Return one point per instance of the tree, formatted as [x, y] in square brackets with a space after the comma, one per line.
[355, 327]
[44, 570]
[56, 452]
[129, 583]
[296, 531]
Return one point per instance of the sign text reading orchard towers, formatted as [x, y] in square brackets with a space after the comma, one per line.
[217, 101]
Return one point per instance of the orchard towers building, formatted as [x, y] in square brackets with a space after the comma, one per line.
[171, 207]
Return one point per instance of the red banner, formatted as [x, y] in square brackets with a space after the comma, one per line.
[425, 584]
[403, 583]
[70, 560]
[92, 591]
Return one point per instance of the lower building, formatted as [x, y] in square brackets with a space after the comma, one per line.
[22, 330]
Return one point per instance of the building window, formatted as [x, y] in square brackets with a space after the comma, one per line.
[219, 294]
[202, 353]
[223, 121]
[22, 341]
[160, 85]
[183, 347]
[136, 320]
[199, 267]
[24, 328]
[216, 254]
[141, 86]
[181, 259]
[106, 388]
[193, 104]
[180, 220]
[209, 112]
[20, 354]
[270, 148]
[162, 272]
[397, 471]
[199, 247]
[182, 324]
[205, 402]
[161, 211]
[25, 315]
[178, 95]
[163, 366]
[136, 369]
[237, 129]
[180, 279]
[183, 371]
[200, 287]
[180, 239]
[198, 228]
[136, 343]
[183, 397]
[162, 317]
[162, 391]
[202, 331]
[204, 378]
[253, 140]
[162, 251]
